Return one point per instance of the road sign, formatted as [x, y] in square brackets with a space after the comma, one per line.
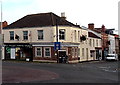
[57, 46]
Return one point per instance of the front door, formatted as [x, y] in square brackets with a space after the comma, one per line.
[62, 56]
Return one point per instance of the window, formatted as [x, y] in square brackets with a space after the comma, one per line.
[93, 43]
[78, 35]
[62, 34]
[25, 35]
[78, 52]
[47, 52]
[73, 52]
[87, 53]
[75, 34]
[39, 51]
[40, 34]
[11, 35]
[97, 43]
[90, 43]
[82, 52]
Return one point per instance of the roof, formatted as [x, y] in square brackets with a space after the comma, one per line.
[39, 20]
[90, 34]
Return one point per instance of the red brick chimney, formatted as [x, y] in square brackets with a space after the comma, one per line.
[5, 23]
[91, 26]
[103, 28]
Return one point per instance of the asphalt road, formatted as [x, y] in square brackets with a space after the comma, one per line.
[86, 72]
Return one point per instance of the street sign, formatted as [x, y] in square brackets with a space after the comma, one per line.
[57, 46]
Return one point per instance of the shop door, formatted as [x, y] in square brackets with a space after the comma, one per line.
[62, 56]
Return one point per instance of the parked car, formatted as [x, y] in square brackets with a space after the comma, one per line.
[111, 57]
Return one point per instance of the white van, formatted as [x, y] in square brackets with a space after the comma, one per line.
[111, 57]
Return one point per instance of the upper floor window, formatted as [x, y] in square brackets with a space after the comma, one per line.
[96, 42]
[78, 35]
[40, 34]
[90, 42]
[93, 43]
[75, 34]
[25, 35]
[11, 35]
[62, 34]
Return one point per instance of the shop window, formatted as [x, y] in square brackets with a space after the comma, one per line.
[11, 35]
[62, 34]
[47, 52]
[39, 51]
[40, 34]
[25, 35]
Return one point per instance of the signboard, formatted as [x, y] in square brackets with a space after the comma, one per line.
[12, 53]
[7, 49]
[57, 46]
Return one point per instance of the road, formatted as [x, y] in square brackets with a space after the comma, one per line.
[86, 72]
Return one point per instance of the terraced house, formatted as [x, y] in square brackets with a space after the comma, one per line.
[34, 37]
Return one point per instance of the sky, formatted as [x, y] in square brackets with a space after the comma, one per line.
[81, 12]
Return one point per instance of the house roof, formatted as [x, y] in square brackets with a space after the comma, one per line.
[90, 34]
[40, 20]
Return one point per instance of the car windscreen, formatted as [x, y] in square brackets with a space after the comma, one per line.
[110, 55]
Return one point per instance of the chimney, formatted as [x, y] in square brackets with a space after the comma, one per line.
[103, 28]
[5, 23]
[63, 15]
[91, 26]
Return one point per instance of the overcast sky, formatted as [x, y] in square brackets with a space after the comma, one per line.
[81, 12]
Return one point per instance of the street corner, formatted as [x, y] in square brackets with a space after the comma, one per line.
[21, 74]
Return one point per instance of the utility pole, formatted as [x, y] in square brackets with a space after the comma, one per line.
[1, 44]
[1, 36]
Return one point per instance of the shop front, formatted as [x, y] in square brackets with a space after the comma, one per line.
[17, 51]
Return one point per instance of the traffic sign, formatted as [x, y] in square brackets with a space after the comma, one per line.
[57, 46]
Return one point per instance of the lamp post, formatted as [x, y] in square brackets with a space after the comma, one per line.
[1, 43]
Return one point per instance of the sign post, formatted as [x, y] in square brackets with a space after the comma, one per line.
[57, 46]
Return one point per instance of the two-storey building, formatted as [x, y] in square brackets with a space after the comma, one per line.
[33, 36]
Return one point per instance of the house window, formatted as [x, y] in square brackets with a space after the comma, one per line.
[40, 34]
[39, 51]
[97, 43]
[90, 42]
[87, 53]
[78, 35]
[11, 35]
[47, 51]
[75, 34]
[62, 34]
[82, 52]
[93, 43]
[78, 52]
[73, 52]
[25, 35]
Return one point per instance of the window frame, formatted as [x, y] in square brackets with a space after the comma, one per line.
[45, 51]
[25, 36]
[11, 37]
[61, 35]
[37, 51]
[39, 36]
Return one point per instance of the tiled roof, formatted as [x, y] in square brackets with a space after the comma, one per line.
[90, 34]
[39, 20]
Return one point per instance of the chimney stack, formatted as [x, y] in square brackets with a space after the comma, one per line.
[91, 26]
[63, 15]
[103, 28]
